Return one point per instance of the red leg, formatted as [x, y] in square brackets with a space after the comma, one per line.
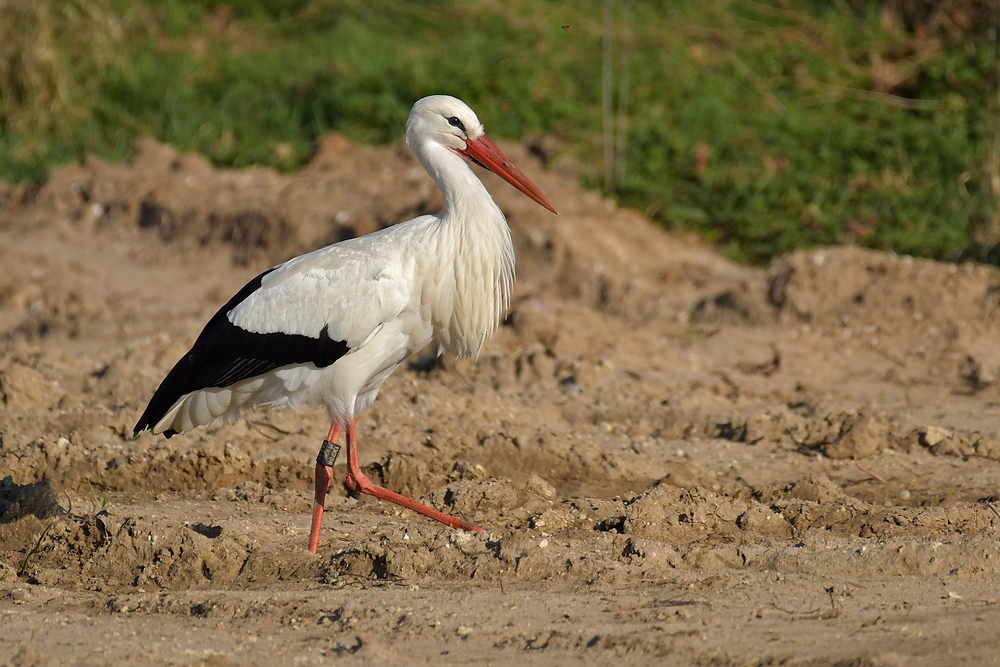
[356, 481]
[324, 475]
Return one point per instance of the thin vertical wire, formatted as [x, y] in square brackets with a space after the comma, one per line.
[621, 140]
[607, 117]
[993, 155]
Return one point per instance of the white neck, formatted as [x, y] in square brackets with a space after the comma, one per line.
[475, 251]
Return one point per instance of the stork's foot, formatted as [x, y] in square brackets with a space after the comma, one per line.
[359, 483]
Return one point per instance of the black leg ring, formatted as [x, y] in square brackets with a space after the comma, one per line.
[328, 454]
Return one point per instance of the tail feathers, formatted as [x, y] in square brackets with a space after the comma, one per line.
[219, 373]
[201, 408]
[213, 362]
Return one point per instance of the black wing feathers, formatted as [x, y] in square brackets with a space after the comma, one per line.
[224, 354]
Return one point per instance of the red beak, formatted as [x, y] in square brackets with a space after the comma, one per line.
[483, 152]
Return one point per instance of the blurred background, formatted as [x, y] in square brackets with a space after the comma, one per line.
[760, 126]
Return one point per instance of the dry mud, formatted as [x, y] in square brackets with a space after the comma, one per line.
[677, 460]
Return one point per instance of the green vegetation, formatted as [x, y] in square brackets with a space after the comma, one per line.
[102, 502]
[763, 126]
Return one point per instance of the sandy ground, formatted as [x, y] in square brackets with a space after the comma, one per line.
[677, 460]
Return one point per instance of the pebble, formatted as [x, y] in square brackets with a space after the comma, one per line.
[932, 435]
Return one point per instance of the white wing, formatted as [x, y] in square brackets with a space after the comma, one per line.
[351, 288]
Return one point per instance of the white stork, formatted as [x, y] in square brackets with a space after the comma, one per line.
[331, 326]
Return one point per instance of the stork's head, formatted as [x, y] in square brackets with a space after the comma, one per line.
[448, 122]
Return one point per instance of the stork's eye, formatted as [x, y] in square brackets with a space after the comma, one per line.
[455, 122]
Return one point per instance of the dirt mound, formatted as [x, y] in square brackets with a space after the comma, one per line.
[670, 454]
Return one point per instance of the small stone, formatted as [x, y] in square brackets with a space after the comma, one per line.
[933, 435]
[539, 486]
[463, 631]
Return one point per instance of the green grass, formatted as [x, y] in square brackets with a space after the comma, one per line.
[781, 98]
